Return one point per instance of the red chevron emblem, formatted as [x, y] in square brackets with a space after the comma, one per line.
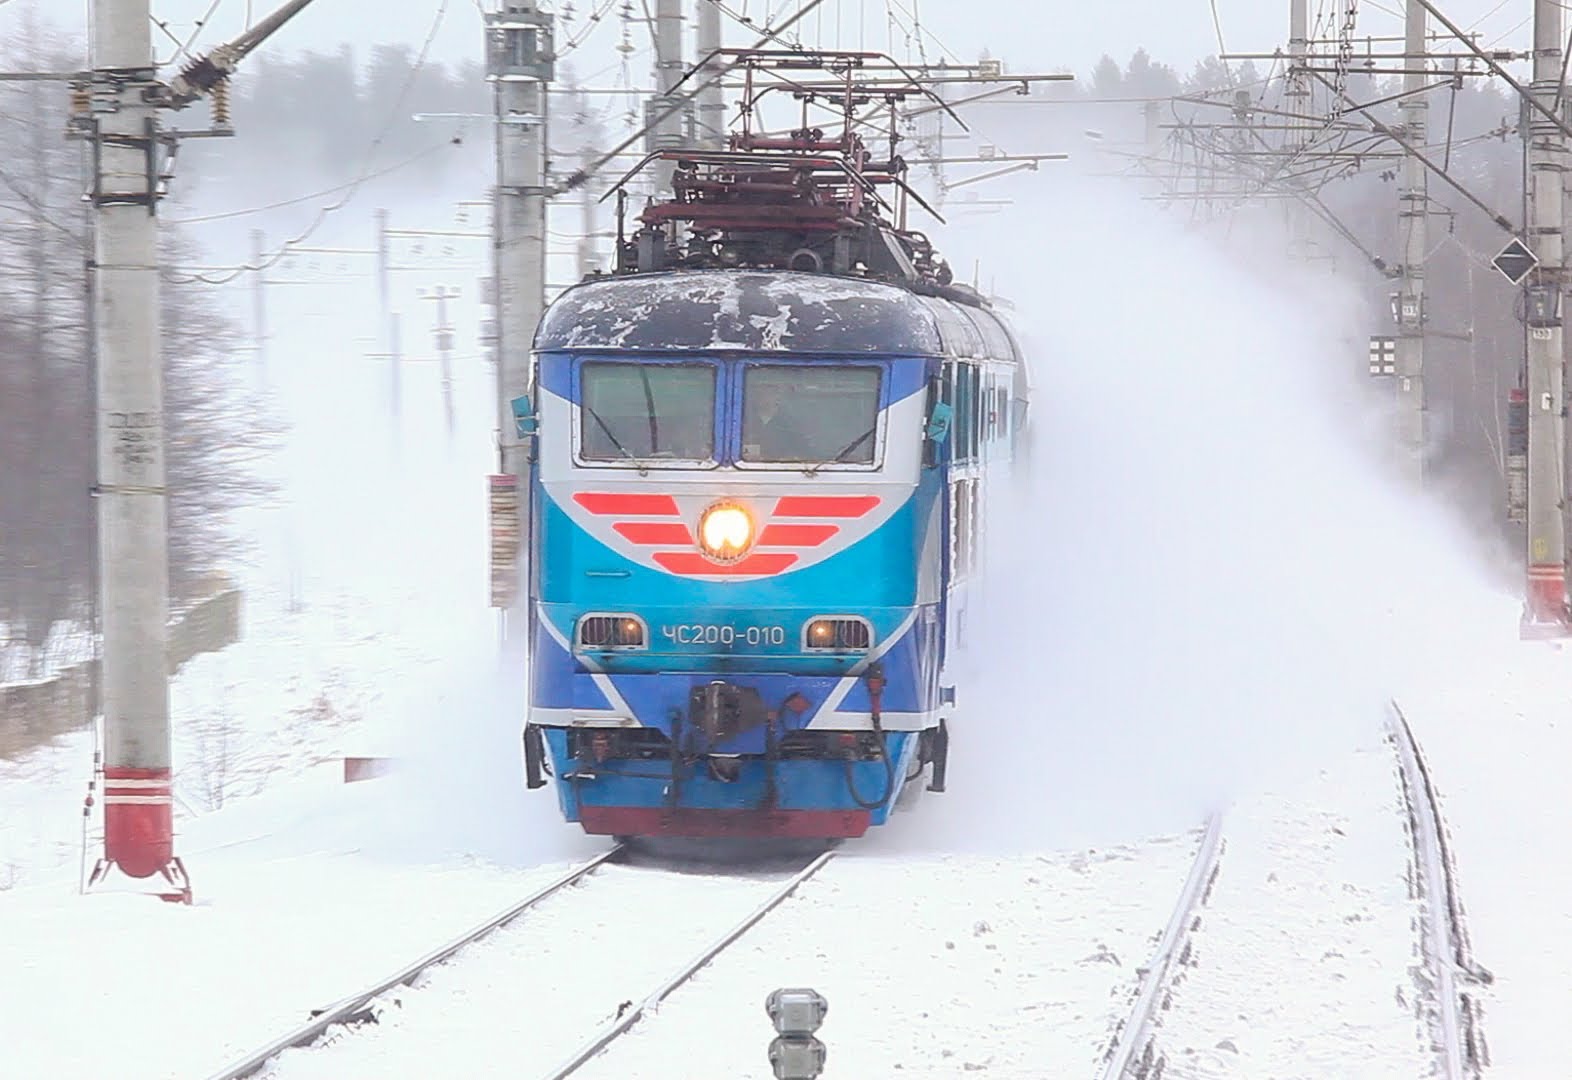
[825, 506]
[657, 524]
[604, 503]
[694, 564]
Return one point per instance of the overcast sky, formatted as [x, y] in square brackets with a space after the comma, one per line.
[1057, 34]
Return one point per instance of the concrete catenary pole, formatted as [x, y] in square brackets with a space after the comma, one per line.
[586, 259]
[519, 65]
[443, 335]
[589, 214]
[1413, 228]
[259, 301]
[669, 69]
[396, 359]
[1545, 609]
[1298, 95]
[132, 503]
[711, 102]
[385, 311]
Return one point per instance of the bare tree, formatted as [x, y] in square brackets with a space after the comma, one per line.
[44, 507]
[217, 428]
[46, 393]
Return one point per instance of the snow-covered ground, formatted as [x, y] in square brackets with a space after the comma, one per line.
[934, 967]
[1500, 745]
[66, 643]
[1199, 602]
[527, 998]
[1303, 963]
[297, 905]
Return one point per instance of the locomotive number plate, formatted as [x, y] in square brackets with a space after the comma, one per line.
[720, 634]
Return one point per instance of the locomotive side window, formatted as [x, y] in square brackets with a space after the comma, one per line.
[647, 412]
[968, 410]
[817, 414]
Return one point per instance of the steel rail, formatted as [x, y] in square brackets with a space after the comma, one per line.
[348, 1008]
[1445, 937]
[1137, 1030]
[617, 1028]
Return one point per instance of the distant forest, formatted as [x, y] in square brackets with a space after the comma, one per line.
[305, 127]
[46, 423]
[333, 116]
[318, 120]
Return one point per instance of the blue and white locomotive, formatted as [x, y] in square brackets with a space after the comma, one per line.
[755, 500]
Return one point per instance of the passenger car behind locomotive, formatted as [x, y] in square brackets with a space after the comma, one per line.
[756, 496]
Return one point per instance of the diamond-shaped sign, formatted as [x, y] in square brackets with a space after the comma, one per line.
[1515, 262]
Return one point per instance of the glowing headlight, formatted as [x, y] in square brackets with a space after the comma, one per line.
[838, 633]
[725, 532]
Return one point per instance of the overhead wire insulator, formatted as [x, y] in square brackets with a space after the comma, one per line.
[201, 75]
[221, 104]
[625, 46]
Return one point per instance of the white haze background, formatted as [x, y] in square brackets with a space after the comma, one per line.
[1208, 580]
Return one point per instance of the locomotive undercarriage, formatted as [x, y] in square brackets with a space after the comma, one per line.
[639, 781]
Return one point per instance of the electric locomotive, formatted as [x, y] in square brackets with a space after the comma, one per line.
[760, 454]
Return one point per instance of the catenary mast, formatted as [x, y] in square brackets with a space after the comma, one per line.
[1414, 236]
[519, 65]
[131, 496]
[1546, 606]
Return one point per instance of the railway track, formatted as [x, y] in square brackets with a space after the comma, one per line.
[364, 1005]
[619, 1027]
[1447, 980]
[351, 1009]
[1133, 1049]
[1459, 1038]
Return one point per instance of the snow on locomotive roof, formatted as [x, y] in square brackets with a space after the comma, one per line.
[756, 311]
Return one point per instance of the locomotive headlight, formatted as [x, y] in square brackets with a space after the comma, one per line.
[838, 633]
[725, 532]
[608, 631]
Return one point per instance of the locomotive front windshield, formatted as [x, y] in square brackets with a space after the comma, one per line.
[810, 414]
[647, 412]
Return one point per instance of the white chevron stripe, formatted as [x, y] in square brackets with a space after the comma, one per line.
[830, 709]
[603, 681]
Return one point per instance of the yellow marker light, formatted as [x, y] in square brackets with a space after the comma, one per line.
[725, 532]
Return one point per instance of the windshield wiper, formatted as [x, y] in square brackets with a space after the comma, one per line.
[840, 458]
[649, 407]
[643, 469]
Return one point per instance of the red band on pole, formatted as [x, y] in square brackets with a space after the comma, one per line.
[139, 833]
